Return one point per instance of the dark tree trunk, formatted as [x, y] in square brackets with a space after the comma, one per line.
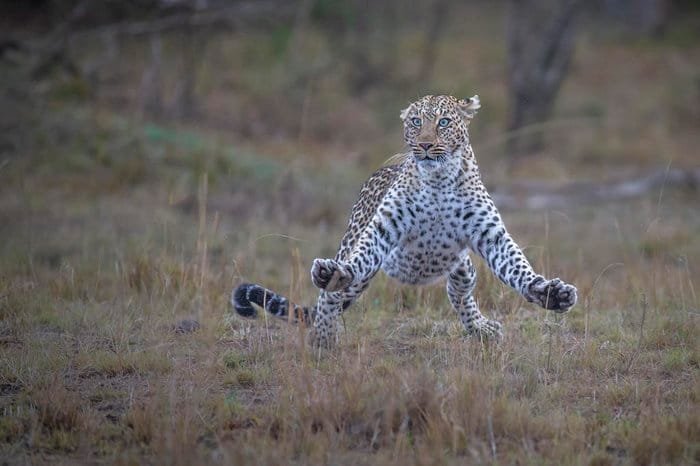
[440, 12]
[540, 45]
[151, 93]
[193, 49]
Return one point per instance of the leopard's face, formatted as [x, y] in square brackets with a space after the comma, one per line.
[435, 127]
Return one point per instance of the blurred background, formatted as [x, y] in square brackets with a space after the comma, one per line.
[156, 153]
[160, 122]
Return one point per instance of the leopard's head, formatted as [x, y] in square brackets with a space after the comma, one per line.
[435, 127]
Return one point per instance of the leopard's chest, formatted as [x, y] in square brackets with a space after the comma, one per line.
[431, 243]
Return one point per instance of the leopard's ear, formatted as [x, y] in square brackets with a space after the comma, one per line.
[468, 107]
[405, 111]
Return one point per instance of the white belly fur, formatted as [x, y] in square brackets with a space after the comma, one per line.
[411, 264]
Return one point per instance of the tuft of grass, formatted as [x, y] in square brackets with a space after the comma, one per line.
[142, 421]
[109, 364]
[678, 359]
[57, 409]
[12, 428]
[234, 360]
[664, 441]
[246, 378]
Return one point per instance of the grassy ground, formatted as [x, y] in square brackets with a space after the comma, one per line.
[97, 270]
[115, 230]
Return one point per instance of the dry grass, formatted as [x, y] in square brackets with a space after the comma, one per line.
[91, 369]
[110, 235]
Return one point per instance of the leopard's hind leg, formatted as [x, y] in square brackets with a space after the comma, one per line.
[460, 288]
[328, 308]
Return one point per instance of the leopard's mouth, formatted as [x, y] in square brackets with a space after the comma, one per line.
[427, 158]
[435, 152]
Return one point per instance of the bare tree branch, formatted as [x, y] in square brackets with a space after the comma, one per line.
[538, 197]
[237, 15]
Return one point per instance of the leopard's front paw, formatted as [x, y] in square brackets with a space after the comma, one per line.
[331, 275]
[488, 330]
[552, 294]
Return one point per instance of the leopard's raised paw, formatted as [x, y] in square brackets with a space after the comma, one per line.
[552, 294]
[330, 275]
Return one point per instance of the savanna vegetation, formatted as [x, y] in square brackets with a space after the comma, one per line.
[152, 159]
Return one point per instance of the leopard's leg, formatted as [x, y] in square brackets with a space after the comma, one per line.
[343, 279]
[460, 288]
[328, 307]
[490, 239]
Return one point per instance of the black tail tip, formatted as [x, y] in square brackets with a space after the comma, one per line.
[240, 301]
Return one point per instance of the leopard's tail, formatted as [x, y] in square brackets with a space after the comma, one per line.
[247, 294]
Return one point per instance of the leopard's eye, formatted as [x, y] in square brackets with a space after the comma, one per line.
[415, 121]
[444, 122]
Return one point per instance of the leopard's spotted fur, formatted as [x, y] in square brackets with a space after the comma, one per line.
[418, 221]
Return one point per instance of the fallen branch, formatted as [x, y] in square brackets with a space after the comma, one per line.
[537, 197]
[52, 49]
[239, 14]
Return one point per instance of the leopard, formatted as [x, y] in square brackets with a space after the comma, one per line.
[419, 220]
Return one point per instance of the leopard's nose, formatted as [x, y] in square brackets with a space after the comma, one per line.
[425, 145]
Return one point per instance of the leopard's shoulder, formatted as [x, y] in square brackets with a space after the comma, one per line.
[371, 194]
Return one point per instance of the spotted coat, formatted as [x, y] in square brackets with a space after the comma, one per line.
[418, 221]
